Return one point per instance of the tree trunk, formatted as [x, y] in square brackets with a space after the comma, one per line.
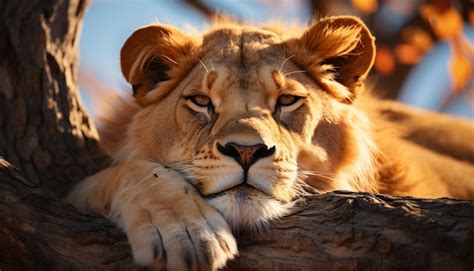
[50, 139]
[44, 131]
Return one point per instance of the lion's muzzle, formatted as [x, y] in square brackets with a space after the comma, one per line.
[245, 155]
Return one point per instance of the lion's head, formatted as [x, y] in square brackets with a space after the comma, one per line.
[251, 115]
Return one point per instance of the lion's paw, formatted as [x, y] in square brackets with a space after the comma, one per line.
[182, 247]
[169, 226]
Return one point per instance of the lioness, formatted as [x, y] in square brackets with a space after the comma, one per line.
[229, 128]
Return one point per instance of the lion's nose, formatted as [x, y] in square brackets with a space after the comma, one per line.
[245, 155]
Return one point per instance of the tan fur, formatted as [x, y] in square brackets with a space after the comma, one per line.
[330, 139]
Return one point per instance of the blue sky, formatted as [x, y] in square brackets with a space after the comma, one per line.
[427, 83]
[108, 23]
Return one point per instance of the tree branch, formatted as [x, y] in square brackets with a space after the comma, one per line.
[338, 230]
[40, 232]
[43, 129]
[201, 7]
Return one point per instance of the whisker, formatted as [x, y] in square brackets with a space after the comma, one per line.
[170, 59]
[304, 189]
[288, 73]
[312, 173]
[306, 171]
[284, 62]
[212, 66]
[207, 70]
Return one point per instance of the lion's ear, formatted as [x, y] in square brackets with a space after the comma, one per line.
[341, 44]
[149, 55]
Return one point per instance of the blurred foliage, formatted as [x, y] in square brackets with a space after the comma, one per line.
[406, 30]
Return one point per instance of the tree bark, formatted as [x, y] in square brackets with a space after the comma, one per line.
[44, 130]
[38, 231]
[50, 139]
[338, 230]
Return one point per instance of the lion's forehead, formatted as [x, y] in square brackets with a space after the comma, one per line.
[243, 47]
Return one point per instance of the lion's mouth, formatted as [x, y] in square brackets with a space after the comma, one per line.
[245, 207]
[242, 190]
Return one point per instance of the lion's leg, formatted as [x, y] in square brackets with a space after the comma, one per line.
[167, 223]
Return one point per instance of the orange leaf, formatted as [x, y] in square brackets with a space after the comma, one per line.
[461, 70]
[384, 60]
[407, 54]
[446, 22]
[365, 6]
[417, 37]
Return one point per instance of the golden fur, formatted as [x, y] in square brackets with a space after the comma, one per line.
[170, 166]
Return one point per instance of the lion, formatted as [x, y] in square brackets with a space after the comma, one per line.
[227, 129]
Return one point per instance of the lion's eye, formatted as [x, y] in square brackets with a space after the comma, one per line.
[288, 103]
[200, 103]
[201, 100]
[287, 99]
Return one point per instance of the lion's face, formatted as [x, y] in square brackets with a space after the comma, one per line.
[241, 121]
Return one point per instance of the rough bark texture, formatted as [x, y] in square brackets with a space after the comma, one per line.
[360, 231]
[50, 139]
[44, 131]
[40, 232]
[339, 230]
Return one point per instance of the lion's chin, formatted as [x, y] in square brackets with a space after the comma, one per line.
[245, 208]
